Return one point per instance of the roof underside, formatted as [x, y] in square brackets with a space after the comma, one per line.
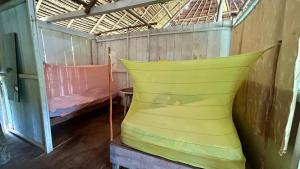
[175, 12]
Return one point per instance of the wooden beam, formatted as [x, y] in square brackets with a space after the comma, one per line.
[143, 13]
[201, 17]
[207, 14]
[166, 10]
[242, 15]
[98, 23]
[50, 26]
[220, 10]
[120, 20]
[38, 5]
[196, 12]
[137, 16]
[72, 20]
[103, 9]
[191, 9]
[129, 27]
[177, 13]
[202, 10]
[125, 156]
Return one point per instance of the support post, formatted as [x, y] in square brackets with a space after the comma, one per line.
[220, 11]
[110, 96]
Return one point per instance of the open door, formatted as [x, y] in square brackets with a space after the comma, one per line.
[8, 65]
[9, 78]
[22, 74]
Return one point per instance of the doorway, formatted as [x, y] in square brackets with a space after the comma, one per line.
[13, 149]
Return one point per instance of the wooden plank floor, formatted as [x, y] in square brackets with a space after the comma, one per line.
[81, 143]
[13, 149]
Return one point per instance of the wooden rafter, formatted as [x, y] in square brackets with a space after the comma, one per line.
[199, 6]
[202, 9]
[120, 20]
[47, 9]
[38, 5]
[98, 23]
[146, 10]
[137, 16]
[198, 17]
[72, 20]
[129, 27]
[177, 13]
[208, 12]
[103, 9]
[194, 5]
[166, 10]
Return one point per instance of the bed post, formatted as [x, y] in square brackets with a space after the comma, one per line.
[110, 96]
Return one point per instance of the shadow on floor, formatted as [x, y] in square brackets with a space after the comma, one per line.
[82, 143]
[14, 150]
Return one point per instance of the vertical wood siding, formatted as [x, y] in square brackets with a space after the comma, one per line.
[176, 43]
[66, 49]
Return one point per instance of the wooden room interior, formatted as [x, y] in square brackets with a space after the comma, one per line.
[71, 71]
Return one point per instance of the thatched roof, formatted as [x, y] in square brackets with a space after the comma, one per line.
[160, 13]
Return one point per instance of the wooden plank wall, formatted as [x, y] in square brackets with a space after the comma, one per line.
[176, 43]
[27, 113]
[64, 48]
[262, 118]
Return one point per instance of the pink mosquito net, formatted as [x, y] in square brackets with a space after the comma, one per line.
[70, 88]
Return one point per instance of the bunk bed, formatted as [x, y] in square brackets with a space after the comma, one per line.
[75, 90]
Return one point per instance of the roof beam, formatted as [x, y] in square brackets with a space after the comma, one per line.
[177, 13]
[98, 23]
[202, 10]
[72, 20]
[220, 10]
[137, 16]
[120, 20]
[129, 27]
[102, 9]
[166, 10]
[38, 5]
[198, 8]
[208, 12]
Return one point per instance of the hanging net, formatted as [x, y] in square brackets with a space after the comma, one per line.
[182, 110]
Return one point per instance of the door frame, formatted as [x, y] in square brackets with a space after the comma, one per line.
[36, 38]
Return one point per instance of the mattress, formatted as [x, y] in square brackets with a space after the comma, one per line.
[63, 105]
[71, 88]
[182, 110]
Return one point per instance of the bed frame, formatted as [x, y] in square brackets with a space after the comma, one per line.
[108, 101]
[88, 108]
[124, 156]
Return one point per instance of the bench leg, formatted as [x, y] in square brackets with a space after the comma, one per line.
[115, 166]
